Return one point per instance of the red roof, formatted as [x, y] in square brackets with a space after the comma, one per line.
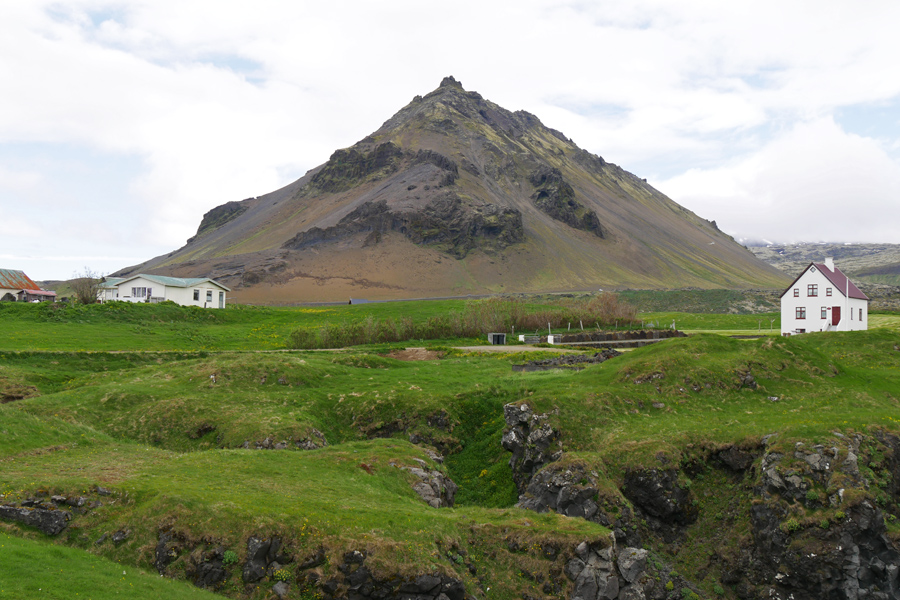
[39, 292]
[15, 280]
[836, 277]
[841, 281]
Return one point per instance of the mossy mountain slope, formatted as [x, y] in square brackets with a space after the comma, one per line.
[455, 195]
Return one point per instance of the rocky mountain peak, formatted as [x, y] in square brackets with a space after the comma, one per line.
[514, 205]
[450, 81]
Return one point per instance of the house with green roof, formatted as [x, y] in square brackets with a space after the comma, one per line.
[191, 291]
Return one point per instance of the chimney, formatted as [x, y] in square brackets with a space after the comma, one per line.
[829, 262]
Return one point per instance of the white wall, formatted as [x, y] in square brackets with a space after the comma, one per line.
[185, 296]
[182, 296]
[125, 289]
[814, 305]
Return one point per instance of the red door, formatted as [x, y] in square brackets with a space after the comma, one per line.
[835, 315]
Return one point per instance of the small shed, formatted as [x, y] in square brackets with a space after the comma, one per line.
[12, 282]
[497, 339]
[36, 296]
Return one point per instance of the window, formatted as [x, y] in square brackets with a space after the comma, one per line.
[812, 289]
[801, 312]
[824, 313]
[860, 314]
[196, 295]
[827, 291]
[138, 292]
[209, 295]
[796, 292]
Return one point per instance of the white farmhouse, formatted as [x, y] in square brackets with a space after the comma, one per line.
[202, 291]
[822, 298]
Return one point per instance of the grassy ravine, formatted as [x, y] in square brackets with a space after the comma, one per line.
[164, 432]
[35, 568]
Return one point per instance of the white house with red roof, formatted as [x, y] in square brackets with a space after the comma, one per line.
[822, 298]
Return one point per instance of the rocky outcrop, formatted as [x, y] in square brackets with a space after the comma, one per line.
[554, 196]
[456, 227]
[531, 440]
[852, 559]
[348, 167]
[568, 361]
[570, 491]
[658, 494]
[817, 524]
[45, 517]
[315, 439]
[435, 488]
[264, 557]
[219, 216]
[845, 551]
[603, 573]
[209, 568]
[357, 581]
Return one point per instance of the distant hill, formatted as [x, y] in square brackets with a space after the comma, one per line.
[454, 195]
[870, 263]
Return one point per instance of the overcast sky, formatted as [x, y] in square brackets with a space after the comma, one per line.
[122, 122]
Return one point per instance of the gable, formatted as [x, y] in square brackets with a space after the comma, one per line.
[836, 278]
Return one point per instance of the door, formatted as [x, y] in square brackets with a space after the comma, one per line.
[221, 299]
[835, 315]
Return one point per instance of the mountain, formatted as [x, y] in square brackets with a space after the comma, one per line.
[870, 263]
[454, 195]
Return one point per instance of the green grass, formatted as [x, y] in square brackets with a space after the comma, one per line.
[727, 324]
[36, 568]
[163, 428]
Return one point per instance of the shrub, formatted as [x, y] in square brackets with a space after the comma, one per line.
[476, 318]
[825, 524]
[229, 558]
[670, 586]
[719, 590]
[812, 495]
[791, 525]
[282, 575]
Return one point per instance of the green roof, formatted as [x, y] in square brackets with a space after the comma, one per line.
[109, 282]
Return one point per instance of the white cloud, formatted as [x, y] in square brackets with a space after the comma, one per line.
[816, 182]
[221, 101]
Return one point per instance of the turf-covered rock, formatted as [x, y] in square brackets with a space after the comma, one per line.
[47, 520]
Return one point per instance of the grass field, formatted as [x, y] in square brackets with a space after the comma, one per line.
[35, 568]
[164, 424]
